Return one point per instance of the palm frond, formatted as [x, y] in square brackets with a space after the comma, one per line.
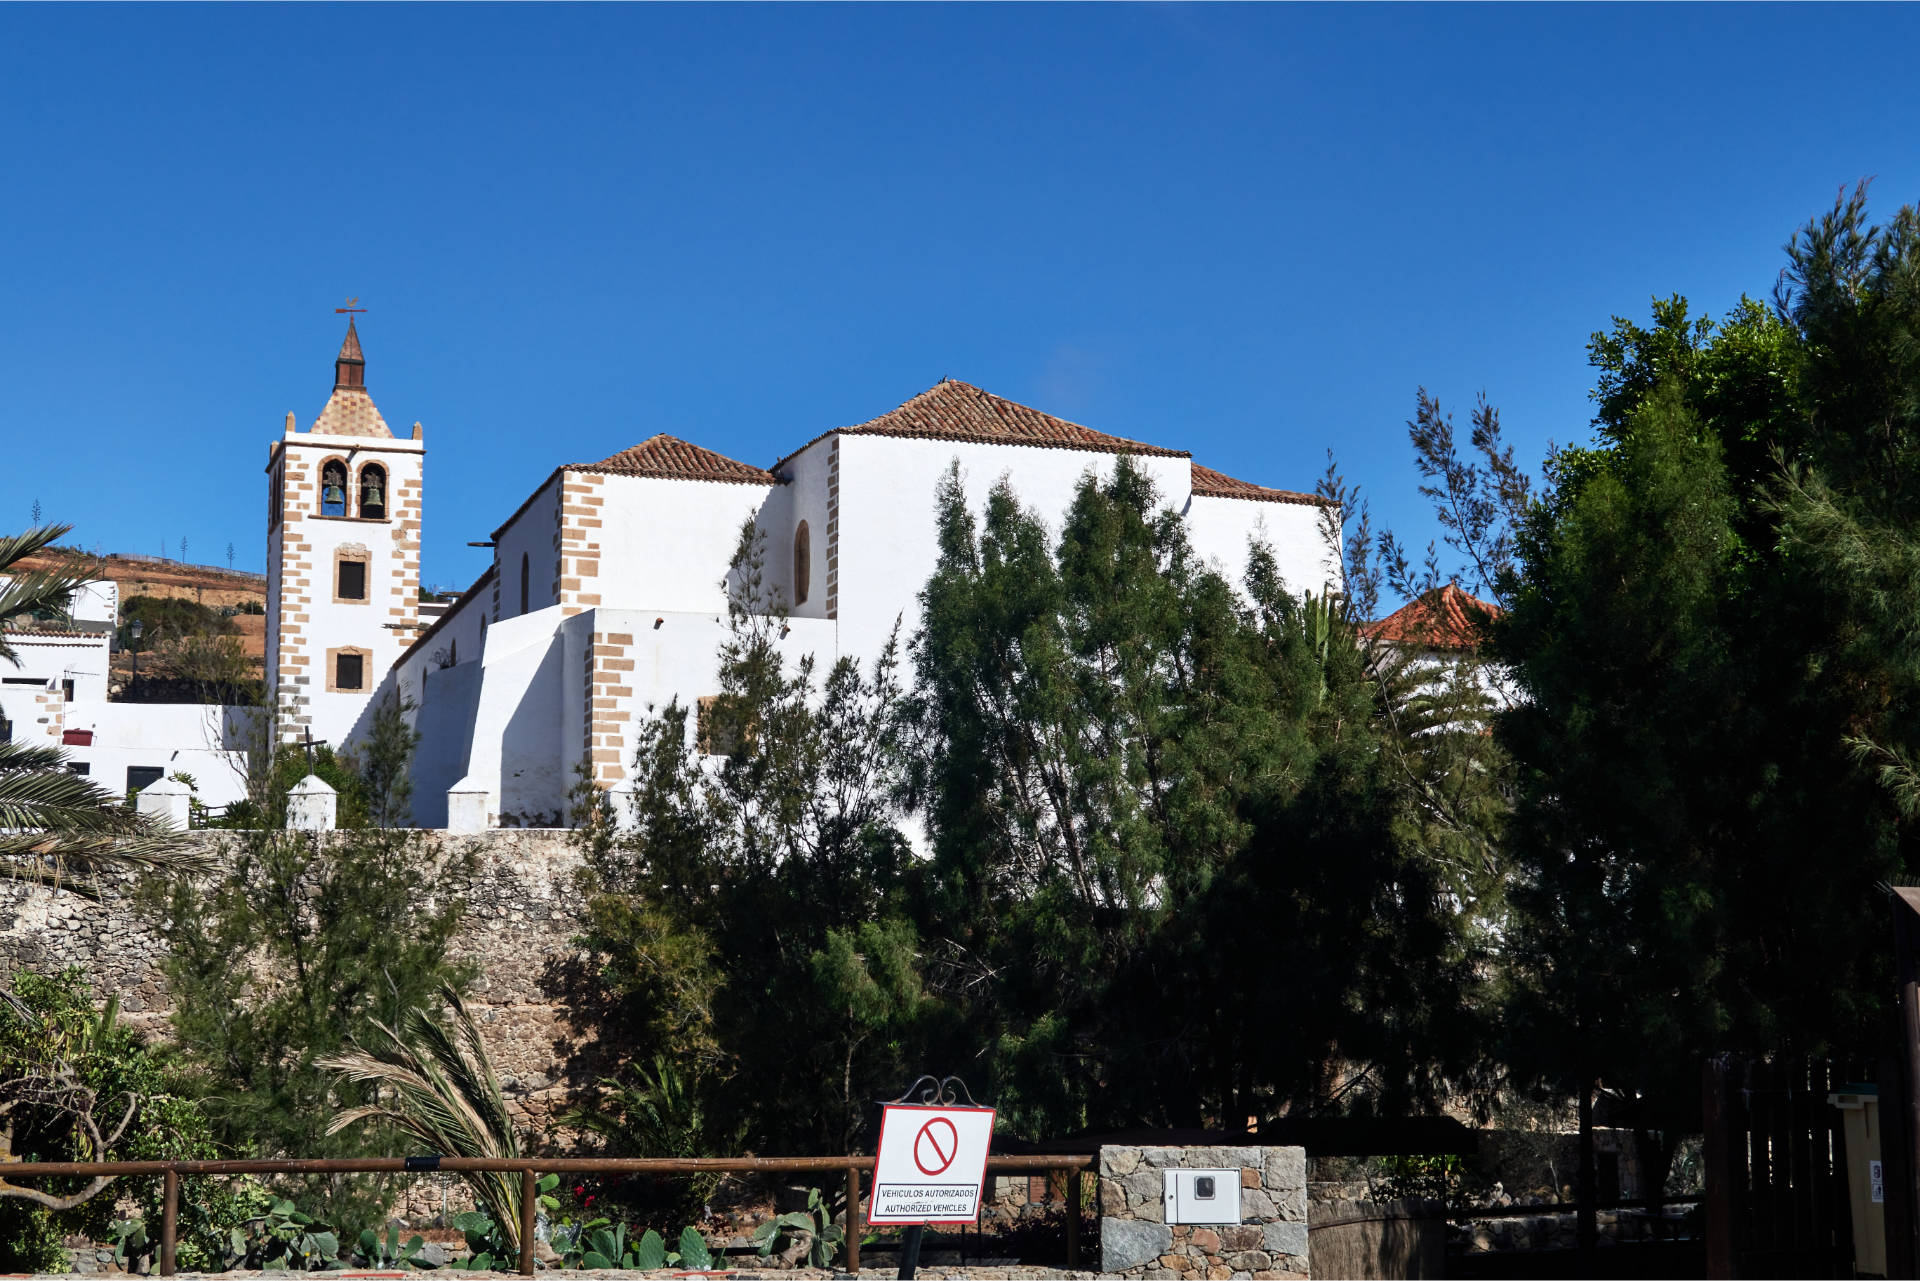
[434, 1080]
[33, 590]
[63, 829]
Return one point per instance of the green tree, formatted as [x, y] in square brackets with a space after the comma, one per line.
[304, 944]
[728, 907]
[76, 1084]
[1164, 820]
[1697, 848]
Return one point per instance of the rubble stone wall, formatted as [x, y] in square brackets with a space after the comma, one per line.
[520, 920]
[1270, 1241]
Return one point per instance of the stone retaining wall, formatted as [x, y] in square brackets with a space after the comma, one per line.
[1269, 1242]
[519, 924]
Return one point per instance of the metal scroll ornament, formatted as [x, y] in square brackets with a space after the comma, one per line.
[936, 1092]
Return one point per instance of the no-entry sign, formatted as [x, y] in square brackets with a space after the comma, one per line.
[932, 1164]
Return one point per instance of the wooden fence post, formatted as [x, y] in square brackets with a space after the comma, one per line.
[169, 1218]
[1723, 1166]
[853, 1219]
[1073, 1220]
[529, 1204]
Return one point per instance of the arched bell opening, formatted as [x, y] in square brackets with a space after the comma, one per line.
[373, 491]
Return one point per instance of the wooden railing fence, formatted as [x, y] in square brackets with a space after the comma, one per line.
[530, 1169]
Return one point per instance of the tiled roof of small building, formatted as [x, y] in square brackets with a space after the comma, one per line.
[1446, 618]
[351, 412]
[953, 410]
[1216, 484]
[675, 459]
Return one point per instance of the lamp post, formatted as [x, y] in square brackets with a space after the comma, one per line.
[134, 631]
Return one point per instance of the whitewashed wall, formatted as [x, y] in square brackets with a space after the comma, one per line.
[96, 602]
[1221, 530]
[806, 499]
[205, 740]
[460, 636]
[515, 753]
[889, 543]
[510, 725]
[44, 657]
[446, 718]
[529, 534]
[665, 544]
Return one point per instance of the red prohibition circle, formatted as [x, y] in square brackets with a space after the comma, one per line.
[940, 1155]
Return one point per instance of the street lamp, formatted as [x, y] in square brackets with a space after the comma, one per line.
[134, 631]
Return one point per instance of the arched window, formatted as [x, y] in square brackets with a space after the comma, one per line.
[333, 488]
[453, 652]
[802, 563]
[523, 582]
[373, 491]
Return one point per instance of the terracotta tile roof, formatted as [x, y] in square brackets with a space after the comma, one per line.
[351, 412]
[953, 410]
[350, 345]
[671, 458]
[1216, 484]
[1446, 618]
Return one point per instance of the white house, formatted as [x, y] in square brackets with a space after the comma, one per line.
[605, 594]
[56, 693]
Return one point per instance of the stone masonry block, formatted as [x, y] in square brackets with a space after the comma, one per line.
[1286, 1168]
[1285, 1238]
[1145, 1190]
[1129, 1243]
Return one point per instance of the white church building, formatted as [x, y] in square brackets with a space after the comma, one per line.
[605, 594]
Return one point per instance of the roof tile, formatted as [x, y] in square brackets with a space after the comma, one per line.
[351, 412]
[953, 410]
[1446, 618]
[1215, 484]
[675, 459]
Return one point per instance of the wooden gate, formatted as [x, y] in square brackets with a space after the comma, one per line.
[1776, 1177]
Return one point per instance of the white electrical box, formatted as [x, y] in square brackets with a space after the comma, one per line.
[1202, 1196]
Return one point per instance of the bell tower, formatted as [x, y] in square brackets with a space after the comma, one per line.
[343, 558]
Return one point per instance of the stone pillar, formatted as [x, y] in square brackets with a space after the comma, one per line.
[312, 806]
[167, 801]
[467, 809]
[1270, 1240]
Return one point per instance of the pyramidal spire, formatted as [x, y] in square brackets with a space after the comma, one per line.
[350, 366]
[350, 410]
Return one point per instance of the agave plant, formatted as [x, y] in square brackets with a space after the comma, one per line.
[59, 828]
[434, 1081]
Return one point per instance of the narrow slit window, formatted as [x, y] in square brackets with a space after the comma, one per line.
[802, 563]
[523, 582]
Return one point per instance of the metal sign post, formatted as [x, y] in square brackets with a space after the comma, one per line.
[931, 1166]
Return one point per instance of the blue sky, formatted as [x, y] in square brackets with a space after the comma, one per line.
[1247, 231]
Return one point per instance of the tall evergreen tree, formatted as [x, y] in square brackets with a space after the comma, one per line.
[1705, 631]
[1164, 822]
